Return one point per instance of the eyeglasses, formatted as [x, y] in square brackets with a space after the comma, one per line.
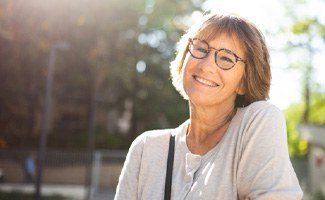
[224, 58]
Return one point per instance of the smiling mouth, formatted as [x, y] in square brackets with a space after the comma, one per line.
[205, 82]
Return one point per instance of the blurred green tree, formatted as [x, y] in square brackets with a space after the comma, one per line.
[298, 148]
[22, 53]
[114, 73]
[307, 36]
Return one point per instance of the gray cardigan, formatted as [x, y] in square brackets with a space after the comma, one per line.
[251, 160]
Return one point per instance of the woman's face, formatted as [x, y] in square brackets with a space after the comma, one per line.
[206, 84]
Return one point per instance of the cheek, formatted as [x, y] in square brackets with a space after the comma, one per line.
[236, 80]
[187, 66]
[241, 89]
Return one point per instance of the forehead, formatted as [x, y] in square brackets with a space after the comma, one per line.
[213, 31]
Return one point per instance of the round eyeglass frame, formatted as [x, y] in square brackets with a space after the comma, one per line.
[191, 40]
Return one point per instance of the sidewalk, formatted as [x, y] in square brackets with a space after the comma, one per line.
[73, 192]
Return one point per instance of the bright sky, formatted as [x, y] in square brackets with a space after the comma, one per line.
[268, 15]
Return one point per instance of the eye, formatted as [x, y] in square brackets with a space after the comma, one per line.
[202, 50]
[226, 59]
[199, 49]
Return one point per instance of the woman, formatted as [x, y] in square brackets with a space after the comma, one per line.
[234, 145]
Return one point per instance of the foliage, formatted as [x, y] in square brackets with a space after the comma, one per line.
[307, 37]
[107, 40]
[298, 147]
[308, 25]
[317, 109]
[318, 196]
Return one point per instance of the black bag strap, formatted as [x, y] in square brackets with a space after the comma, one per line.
[170, 163]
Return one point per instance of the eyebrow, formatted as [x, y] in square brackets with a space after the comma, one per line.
[231, 37]
[211, 47]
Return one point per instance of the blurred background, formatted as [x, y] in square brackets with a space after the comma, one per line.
[79, 80]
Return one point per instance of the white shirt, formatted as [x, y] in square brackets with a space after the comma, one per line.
[251, 160]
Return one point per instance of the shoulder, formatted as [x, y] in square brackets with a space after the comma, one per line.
[154, 134]
[159, 135]
[261, 118]
[151, 136]
[149, 141]
[261, 106]
[261, 109]
[155, 141]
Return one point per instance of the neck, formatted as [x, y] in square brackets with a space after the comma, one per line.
[207, 127]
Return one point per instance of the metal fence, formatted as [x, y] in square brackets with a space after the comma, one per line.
[66, 168]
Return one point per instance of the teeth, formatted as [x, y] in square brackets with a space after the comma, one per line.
[205, 82]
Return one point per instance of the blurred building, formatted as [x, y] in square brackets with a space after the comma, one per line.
[315, 134]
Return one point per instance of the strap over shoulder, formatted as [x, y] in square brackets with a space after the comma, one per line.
[169, 171]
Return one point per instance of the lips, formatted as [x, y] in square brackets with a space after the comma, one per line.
[205, 82]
